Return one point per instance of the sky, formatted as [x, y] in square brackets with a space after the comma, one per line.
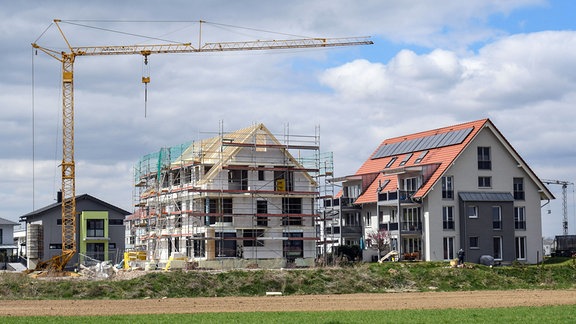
[433, 64]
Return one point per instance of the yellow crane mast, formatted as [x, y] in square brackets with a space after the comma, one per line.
[68, 58]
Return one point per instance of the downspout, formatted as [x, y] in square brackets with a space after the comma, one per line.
[399, 212]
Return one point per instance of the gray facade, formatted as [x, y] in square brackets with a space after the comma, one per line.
[491, 230]
[44, 230]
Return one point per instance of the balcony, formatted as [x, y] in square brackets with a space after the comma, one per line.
[348, 203]
[351, 231]
[392, 197]
[411, 228]
[407, 228]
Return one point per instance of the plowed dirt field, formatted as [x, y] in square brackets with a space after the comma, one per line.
[411, 300]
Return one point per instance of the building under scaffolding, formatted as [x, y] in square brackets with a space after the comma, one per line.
[243, 198]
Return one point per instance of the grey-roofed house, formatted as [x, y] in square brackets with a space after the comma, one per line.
[7, 247]
[99, 231]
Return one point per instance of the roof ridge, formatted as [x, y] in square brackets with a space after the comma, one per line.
[439, 130]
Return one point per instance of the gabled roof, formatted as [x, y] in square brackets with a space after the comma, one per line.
[429, 152]
[220, 150]
[78, 198]
[4, 221]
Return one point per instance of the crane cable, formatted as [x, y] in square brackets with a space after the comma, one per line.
[33, 134]
[145, 80]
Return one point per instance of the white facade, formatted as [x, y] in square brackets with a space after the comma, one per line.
[440, 185]
[238, 196]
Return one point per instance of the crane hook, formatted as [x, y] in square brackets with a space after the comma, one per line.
[145, 80]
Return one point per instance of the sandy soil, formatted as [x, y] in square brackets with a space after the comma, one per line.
[411, 300]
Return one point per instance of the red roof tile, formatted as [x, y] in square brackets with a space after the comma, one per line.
[440, 156]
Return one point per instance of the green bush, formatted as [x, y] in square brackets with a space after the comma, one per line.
[360, 278]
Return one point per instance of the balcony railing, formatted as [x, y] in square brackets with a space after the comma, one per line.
[348, 202]
[351, 230]
[412, 227]
[405, 195]
[406, 227]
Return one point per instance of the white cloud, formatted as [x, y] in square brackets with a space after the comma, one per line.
[524, 83]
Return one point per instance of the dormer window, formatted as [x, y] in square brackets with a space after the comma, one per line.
[392, 160]
[406, 158]
[420, 157]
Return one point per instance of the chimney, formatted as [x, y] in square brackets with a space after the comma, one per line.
[59, 196]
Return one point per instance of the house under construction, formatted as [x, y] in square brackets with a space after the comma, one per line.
[243, 198]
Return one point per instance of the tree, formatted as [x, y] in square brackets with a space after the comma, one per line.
[380, 240]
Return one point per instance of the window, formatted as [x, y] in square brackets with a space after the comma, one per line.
[448, 187]
[368, 219]
[392, 160]
[238, 179]
[55, 246]
[405, 159]
[496, 217]
[411, 220]
[448, 217]
[95, 251]
[484, 160]
[420, 157]
[95, 228]
[521, 248]
[251, 235]
[261, 208]
[291, 206]
[518, 188]
[448, 248]
[111, 246]
[116, 222]
[473, 242]
[284, 180]
[351, 219]
[292, 247]
[472, 211]
[222, 206]
[484, 182]
[227, 207]
[261, 174]
[497, 247]
[520, 218]
[199, 246]
[225, 244]
[393, 218]
[411, 184]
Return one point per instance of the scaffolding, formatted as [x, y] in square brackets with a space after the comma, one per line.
[244, 198]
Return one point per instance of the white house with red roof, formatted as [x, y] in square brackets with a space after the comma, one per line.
[435, 192]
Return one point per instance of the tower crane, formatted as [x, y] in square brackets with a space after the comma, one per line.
[564, 185]
[67, 59]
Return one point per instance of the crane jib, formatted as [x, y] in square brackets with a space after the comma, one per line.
[219, 47]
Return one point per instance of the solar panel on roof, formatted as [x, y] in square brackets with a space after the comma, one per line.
[436, 139]
[462, 134]
[413, 144]
[451, 138]
[446, 140]
[423, 143]
[401, 147]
